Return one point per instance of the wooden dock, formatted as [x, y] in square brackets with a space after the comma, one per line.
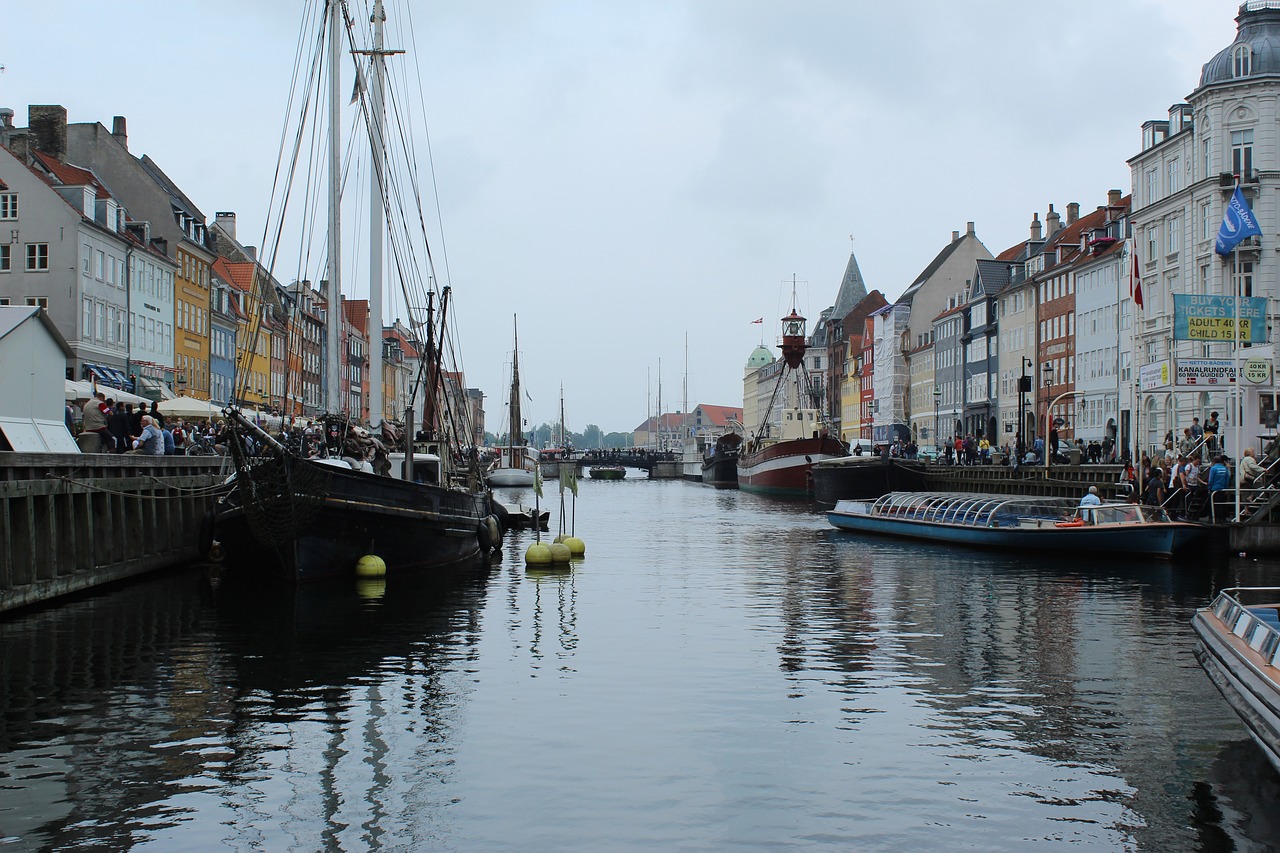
[72, 522]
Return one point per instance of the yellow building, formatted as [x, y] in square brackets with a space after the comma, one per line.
[191, 320]
[253, 335]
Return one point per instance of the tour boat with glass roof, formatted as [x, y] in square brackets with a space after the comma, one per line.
[1013, 522]
[1239, 649]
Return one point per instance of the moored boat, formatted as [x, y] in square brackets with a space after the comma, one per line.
[312, 510]
[1239, 648]
[720, 469]
[866, 476]
[779, 461]
[516, 463]
[1019, 523]
[607, 472]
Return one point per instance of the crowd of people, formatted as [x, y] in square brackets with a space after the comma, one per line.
[124, 428]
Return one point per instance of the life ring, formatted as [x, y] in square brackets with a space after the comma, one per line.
[1075, 522]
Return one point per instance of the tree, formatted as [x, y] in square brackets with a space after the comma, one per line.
[592, 436]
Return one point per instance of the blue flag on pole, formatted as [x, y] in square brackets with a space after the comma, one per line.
[1238, 222]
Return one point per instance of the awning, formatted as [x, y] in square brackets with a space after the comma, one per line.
[108, 375]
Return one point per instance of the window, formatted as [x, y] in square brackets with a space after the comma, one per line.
[1173, 229]
[1204, 153]
[111, 270]
[1153, 247]
[88, 259]
[101, 314]
[120, 317]
[1174, 178]
[1206, 228]
[1153, 186]
[1242, 153]
[1241, 60]
[6, 258]
[86, 320]
[101, 267]
[37, 257]
[8, 205]
[39, 301]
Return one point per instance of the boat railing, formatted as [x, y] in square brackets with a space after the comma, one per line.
[968, 509]
[1257, 625]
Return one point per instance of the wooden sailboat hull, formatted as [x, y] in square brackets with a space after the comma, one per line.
[411, 526]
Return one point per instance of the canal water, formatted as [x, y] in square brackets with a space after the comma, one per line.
[721, 672]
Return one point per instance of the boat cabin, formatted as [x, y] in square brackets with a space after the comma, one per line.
[427, 466]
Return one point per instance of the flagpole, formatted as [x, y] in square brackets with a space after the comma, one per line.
[1235, 367]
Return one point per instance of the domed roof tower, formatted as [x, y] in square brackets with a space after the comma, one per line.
[1256, 50]
[760, 357]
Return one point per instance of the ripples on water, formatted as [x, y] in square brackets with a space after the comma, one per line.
[722, 672]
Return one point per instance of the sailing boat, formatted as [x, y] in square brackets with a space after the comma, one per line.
[516, 462]
[314, 509]
[781, 464]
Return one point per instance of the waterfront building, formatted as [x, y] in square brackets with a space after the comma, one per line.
[176, 226]
[982, 352]
[852, 291]
[307, 333]
[759, 375]
[867, 377]
[1104, 375]
[1017, 329]
[54, 263]
[941, 286]
[924, 419]
[253, 355]
[354, 358]
[948, 366]
[1182, 178]
[475, 410]
[224, 325]
[707, 422]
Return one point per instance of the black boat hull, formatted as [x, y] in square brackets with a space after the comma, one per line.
[411, 526]
[721, 471]
[869, 477]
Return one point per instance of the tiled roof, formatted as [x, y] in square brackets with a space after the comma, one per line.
[720, 415]
[239, 275]
[71, 176]
[933, 267]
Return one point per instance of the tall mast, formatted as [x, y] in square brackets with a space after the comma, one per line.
[517, 423]
[333, 313]
[377, 196]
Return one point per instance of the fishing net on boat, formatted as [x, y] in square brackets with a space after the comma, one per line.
[280, 493]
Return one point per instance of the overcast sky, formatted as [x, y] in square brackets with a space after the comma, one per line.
[623, 174]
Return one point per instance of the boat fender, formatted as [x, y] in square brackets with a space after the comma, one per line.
[1075, 522]
[205, 542]
[501, 512]
[495, 531]
[484, 535]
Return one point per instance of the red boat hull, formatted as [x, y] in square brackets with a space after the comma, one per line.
[784, 469]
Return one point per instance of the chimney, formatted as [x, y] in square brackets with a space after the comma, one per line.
[1052, 222]
[1073, 212]
[226, 222]
[955, 235]
[968, 229]
[1113, 198]
[1035, 225]
[252, 252]
[119, 132]
[6, 118]
[48, 125]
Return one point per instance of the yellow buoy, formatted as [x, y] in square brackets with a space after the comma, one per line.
[370, 566]
[561, 538]
[538, 554]
[576, 546]
[560, 553]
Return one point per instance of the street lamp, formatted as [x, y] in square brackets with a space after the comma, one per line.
[937, 436]
[1024, 387]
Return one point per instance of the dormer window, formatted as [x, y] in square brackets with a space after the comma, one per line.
[1241, 60]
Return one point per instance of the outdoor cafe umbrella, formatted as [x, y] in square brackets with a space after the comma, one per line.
[189, 407]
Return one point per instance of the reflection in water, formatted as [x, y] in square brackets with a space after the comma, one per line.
[727, 672]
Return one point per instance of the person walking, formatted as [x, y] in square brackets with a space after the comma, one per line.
[1153, 495]
[1219, 479]
[1250, 470]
